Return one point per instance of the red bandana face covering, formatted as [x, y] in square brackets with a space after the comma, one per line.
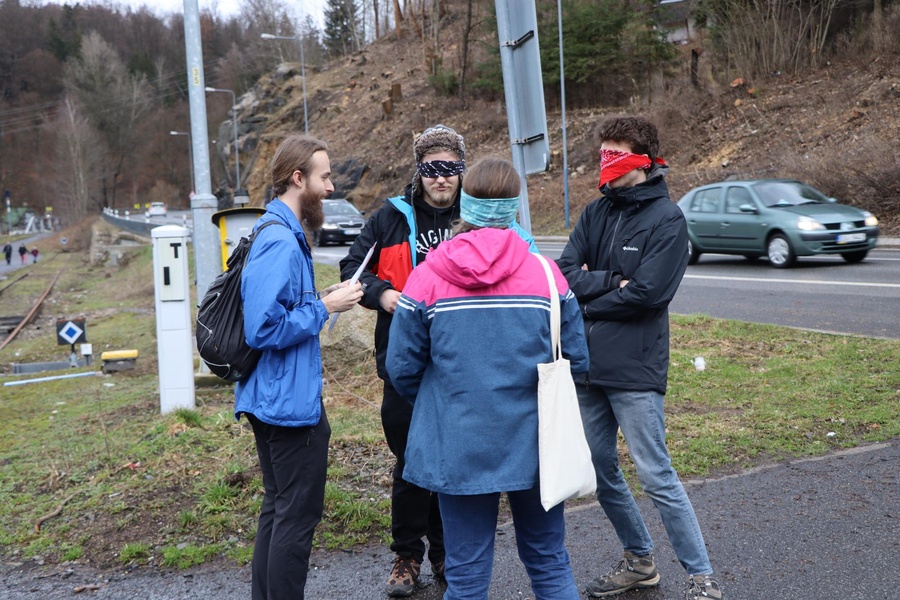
[615, 163]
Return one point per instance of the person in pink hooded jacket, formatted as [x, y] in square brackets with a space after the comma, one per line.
[468, 333]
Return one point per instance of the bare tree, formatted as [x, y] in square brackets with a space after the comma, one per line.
[113, 100]
[464, 51]
[761, 37]
[398, 18]
[79, 154]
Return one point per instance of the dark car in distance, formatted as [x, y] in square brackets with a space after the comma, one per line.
[343, 223]
[777, 218]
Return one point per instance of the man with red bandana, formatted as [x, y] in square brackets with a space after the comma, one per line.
[624, 262]
[403, 232]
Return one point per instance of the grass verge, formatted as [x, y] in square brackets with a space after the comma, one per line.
[91, 472]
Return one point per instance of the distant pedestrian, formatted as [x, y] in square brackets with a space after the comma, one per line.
[23, 251]
[34, 253]
[7, 252]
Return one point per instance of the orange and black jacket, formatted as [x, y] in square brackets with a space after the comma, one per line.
[393, 226]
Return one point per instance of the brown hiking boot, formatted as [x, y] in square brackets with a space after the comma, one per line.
[403, 578]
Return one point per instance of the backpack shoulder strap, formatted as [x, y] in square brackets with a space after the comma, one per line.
[263, 226]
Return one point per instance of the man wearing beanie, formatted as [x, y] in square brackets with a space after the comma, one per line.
[403, 231]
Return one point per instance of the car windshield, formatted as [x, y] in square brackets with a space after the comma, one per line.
[341, 209]
[787, 193]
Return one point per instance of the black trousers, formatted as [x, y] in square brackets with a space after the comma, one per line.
[294, 461]
[414, 510]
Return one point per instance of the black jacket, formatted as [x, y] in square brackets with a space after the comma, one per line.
[393, 226]
[637, 234]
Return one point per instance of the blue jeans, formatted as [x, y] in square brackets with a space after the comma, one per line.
[640, 416]
[470, 523]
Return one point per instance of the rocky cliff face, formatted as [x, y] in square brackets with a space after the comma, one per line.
[834, 128]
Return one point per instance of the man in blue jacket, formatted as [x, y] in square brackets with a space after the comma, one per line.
[624, 262]
[282, 397]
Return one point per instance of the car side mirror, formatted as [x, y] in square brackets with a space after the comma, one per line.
[363, 212]
[832, 200]
[748, 208]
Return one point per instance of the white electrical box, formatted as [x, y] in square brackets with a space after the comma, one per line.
[174, 340]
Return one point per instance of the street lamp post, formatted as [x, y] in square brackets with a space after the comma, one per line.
[237, 156]
[299, 40]
[190, 154]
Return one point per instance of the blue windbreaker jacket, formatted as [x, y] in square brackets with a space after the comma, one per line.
[282, 317]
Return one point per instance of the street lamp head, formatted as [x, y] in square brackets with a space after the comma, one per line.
[269, 36]
[179, 133]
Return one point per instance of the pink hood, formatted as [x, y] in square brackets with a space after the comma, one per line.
[479, 258]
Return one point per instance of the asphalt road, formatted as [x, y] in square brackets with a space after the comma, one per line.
[821, 293]
[816, 529]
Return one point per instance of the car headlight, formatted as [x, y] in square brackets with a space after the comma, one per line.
[808, 224]
[871, 220]
[329, 226]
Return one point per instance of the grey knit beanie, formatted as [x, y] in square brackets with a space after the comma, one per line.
[437, 138]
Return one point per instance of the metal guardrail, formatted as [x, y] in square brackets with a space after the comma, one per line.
[135, 223]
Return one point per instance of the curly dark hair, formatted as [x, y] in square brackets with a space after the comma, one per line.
[637, 132]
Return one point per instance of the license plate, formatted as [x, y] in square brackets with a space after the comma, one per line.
[356, 231]
[849, 238]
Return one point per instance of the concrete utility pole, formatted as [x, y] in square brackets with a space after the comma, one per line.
[207, 254]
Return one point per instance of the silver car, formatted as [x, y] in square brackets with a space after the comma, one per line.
[777, 218]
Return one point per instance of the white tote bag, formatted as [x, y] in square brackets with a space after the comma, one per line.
[564, 458]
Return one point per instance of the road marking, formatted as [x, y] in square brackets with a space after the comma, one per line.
[831, 257]
[804, 281]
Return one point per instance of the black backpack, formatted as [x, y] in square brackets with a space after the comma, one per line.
[220, 319]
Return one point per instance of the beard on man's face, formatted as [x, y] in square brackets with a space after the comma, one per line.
[311, 212]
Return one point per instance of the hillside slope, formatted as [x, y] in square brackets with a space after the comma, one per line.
[834, 128]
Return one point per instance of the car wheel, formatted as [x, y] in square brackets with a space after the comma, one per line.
[693, 254]
[781, 255]
[854, 257]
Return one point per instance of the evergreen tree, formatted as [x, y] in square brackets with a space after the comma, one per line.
[343, 27]
[591, 32]
[64, 40]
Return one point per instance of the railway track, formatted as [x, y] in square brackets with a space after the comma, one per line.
[22, 296]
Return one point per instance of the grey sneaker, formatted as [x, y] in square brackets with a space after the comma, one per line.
[629, 573]
[703, 586]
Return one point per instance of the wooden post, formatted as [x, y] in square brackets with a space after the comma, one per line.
[695, 60]
[396, 94]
